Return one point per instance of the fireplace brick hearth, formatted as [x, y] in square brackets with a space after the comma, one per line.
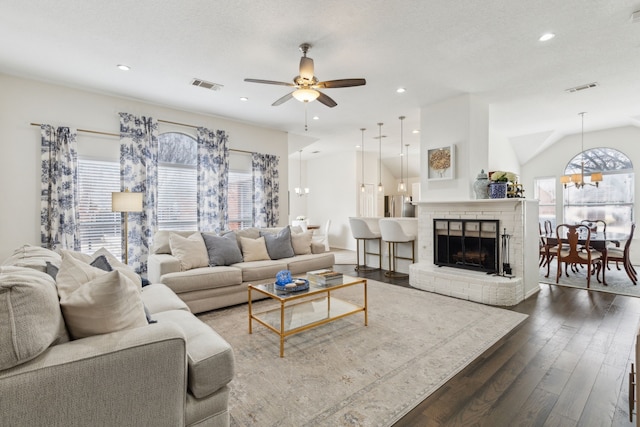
[519, 217]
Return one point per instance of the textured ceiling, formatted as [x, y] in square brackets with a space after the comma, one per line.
[436, 49]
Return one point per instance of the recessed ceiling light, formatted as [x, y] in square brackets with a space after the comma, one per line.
[123, 67]
[316, 118]
[244, 98]
[416, 131]
[357, 146]
[401, 90]
[546, 37]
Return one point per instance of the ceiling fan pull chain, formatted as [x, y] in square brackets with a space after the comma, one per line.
[306, 128]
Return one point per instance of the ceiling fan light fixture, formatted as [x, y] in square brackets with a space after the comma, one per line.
[306, 95]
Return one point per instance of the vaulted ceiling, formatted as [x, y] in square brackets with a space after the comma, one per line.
[434, 49]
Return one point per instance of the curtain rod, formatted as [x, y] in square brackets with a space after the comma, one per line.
[97, 132]
[88, 131]
[196, 127]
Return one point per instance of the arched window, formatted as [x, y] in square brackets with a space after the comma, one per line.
[177, 177]
[612, 201]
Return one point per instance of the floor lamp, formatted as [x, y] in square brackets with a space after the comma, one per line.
[126, 202]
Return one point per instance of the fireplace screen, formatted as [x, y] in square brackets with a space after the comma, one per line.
[466, 243]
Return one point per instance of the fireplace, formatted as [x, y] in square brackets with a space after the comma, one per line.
[467, 244]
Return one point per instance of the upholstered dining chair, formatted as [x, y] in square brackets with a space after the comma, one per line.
[618, 255]
[572, 241]
[322, 235]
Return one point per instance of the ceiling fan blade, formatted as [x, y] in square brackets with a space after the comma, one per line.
[324, 99]
[283, 99]
[329, 84]
[306, 68]
[269, 82]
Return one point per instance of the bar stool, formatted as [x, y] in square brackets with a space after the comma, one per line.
[362, 231]
[393, 233]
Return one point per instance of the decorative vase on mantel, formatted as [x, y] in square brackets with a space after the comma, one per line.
[498, 190]
[481, 185]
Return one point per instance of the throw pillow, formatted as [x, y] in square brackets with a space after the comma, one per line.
[101, 263]
[278, 245]
[190, 251]
[34, 257]
[96, 302]
[254, 249]
[30, 318]
[301, 242]
[116, 264]
[222, 250]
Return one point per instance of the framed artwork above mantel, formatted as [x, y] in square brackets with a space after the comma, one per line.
[441, 161]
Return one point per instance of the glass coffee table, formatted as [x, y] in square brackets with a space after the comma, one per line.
[303, 310]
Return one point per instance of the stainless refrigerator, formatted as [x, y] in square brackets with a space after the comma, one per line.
[398, 206]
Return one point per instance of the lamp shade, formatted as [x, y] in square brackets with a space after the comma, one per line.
[126, 201]
[306, 95]
[565, 179]
[596, 177]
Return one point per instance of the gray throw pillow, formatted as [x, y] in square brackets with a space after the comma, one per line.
[222, 250]
[279, 245]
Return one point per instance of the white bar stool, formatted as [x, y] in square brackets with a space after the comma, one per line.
[363, 231]
[393, 233]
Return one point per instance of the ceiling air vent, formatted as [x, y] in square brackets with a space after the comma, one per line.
[635, 16]
[582, 87]
[206, 85]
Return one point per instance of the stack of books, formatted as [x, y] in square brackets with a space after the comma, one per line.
[324, 277]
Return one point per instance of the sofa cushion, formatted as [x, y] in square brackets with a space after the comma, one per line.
[191, 251]
[34, 257]
[260, 270]
[278, 244]
[202, 278]
[210, 359]
[222, 250]
[97, 302]
[30, 317]
[161, 243]
[301, 242]
[158, 297]
[304, 263]
[254, 249]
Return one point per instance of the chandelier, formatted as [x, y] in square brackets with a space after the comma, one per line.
[299, 190]
[577, 179]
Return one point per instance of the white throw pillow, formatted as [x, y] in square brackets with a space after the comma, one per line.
[96, 302]
[254, 249]
[190, 251]
[301, 242]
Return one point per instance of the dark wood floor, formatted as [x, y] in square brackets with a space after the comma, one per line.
[566, 365]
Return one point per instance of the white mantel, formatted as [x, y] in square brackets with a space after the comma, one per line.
[518, 218]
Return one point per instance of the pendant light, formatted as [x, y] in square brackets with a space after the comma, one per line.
[362, 187]
[401, 186]
[406, 156]
[577, 179]
[380, 187]
[299, 190]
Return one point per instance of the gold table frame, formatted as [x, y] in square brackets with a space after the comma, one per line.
[303, 310]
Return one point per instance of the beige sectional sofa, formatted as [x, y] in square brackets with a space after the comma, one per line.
[205, 287]
[63, 363]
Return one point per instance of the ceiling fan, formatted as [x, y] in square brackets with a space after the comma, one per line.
[307, 84]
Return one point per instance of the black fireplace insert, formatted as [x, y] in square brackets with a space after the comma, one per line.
[471, 244]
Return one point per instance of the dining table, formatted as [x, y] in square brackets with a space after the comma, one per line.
[598, 241]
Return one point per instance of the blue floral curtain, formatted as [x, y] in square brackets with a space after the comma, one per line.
[139, 173]
[59, 188]
[213, 179]
[266, 187]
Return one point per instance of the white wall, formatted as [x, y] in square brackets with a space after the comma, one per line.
[333, 184]
[25, 101]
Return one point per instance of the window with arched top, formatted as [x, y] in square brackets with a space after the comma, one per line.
[612, 200]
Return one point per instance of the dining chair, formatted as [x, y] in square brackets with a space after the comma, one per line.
[548, 245]
[595, 225]
[623, 256]
[572, 241]
[323, 236]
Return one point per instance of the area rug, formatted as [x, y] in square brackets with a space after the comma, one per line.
[346, 374]
[617, 281]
